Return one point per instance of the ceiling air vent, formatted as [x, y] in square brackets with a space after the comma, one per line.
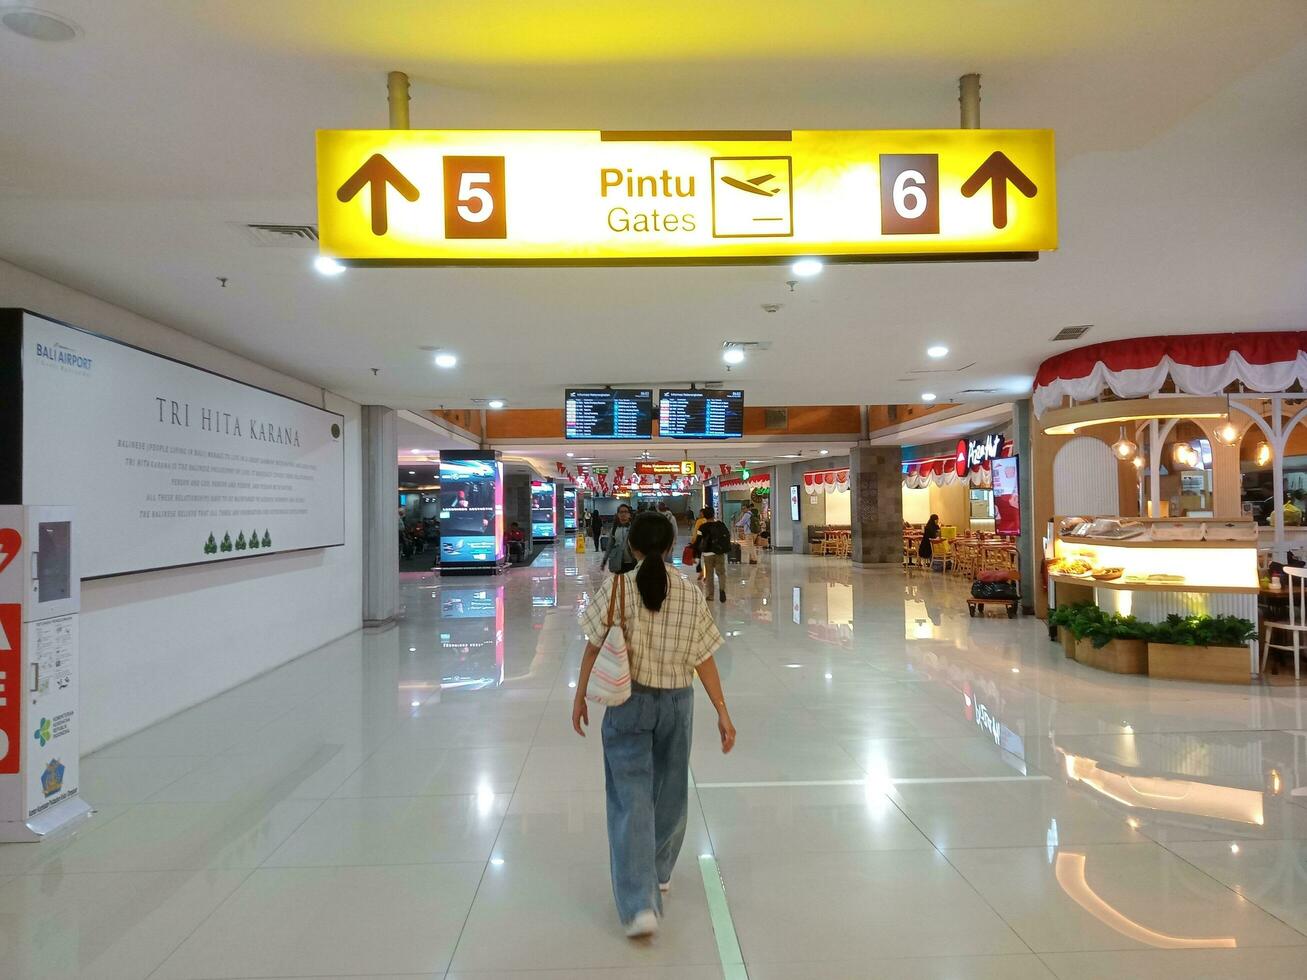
[1072, 333]
[281, 236]
[776, 418]
[977, 391]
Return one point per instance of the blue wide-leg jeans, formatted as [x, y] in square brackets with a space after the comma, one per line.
[647, 771]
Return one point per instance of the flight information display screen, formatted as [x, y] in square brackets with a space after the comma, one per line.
[700, 414]
[609, 413]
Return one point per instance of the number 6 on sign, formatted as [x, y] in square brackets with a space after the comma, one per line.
[909, 194]
[474, 197]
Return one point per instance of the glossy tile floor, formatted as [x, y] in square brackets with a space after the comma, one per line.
[915, 795]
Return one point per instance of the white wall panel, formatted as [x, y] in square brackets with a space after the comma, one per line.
[1085, 478]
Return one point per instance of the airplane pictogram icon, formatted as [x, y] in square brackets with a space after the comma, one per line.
[754, 184]
[765, 209]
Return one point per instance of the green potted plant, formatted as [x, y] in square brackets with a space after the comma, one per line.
[1114, 642]
[1202, 648]
[1072, 622]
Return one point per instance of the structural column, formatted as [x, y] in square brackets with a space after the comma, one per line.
[876, 482]
[781, 526]
[380, 516]
[1029, 550]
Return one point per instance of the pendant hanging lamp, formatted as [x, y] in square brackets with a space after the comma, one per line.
[1124, 448]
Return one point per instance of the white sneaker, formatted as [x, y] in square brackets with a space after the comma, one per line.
[644, 924]
[664, 886]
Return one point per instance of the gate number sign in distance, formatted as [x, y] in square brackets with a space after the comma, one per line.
[435, 197]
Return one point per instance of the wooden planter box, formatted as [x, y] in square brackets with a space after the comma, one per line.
[1224, 665]
[1068, 642]
[1118, 656]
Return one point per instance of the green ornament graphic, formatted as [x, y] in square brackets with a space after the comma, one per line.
[226, 543]
[211, 546]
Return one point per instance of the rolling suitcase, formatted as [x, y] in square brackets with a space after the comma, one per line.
[734, 556]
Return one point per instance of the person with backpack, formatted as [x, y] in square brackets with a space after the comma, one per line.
[714, 547]
[747, 528]
[670, 636]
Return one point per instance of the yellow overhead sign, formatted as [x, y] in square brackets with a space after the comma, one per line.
[561, 197]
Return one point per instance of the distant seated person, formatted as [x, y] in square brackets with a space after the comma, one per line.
[516, 539]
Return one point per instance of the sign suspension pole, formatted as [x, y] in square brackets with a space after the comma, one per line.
[969, 100]
[397, 96]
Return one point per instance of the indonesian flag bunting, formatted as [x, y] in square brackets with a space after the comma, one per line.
[1196, 364]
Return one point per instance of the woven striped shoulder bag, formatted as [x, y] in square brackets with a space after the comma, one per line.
[610, 677]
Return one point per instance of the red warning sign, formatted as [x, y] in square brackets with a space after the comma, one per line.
[11, 675]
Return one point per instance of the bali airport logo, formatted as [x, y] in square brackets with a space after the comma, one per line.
[64, 358]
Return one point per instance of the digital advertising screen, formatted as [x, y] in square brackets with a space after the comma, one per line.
[569, 509]
[609, 413]
[1004, 473]
[542, 510]
[471, 509]
[794, 502]
[700, 414]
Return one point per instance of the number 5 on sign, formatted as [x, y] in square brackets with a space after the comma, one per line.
[909, 194]
[474, 198]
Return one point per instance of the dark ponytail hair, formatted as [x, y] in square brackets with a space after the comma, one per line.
[651, 535]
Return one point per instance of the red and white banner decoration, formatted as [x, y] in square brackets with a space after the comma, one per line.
[943, 471]
[754, 480]
[826, 481]
[1198, 364]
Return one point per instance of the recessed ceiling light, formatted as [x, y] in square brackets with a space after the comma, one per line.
[412, 472]
[37, 25]
[824, 452]
[569, 455]
[927, 396]
[446, 360]
[939, 350]
[495, 403]
[327, 266]
[807, 267]
[733, 355]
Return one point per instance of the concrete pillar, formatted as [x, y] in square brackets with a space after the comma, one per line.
[1030, 543]
[380, 521]
[876, 482]
[782, 528]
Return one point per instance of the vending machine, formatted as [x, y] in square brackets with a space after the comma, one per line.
[40, 596]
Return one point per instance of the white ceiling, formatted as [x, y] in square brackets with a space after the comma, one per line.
[129, 153]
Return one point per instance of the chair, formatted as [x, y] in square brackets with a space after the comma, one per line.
[1295, 625]
[816, 540]
[941, 554]
[966, 557]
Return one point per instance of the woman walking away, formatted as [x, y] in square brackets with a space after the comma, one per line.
[928, 534]
[596, 526]
[670, 636]
[619, 558]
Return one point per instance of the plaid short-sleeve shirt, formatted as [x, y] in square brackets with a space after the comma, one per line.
[665, 646]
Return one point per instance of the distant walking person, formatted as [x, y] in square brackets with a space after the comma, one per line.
[714, 546]
[670, 635]
[747, 528]
[618, 558]
[596, 526]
